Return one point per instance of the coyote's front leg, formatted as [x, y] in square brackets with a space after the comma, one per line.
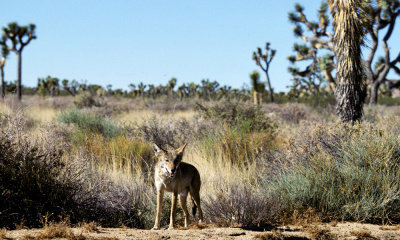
[173, 210]
[160, 196]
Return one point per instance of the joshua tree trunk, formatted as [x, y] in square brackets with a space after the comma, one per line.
[255, 98]
[271, 94]
[19, 86]
[3, 83]
[348, 40]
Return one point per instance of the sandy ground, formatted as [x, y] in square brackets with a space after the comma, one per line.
[319, 231]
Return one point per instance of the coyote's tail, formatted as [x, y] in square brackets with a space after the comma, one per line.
[194, 206]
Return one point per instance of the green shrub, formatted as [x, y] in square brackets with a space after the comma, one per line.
[353, 176]
[89, 122]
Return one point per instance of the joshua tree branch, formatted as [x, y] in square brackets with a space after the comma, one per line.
[368, 69]
[396, 60]
[309, 56]
[261, 66]
[325, 44]
[382, 76]
[309, 25]
[378, 70]
[396, 69]
[374, 36]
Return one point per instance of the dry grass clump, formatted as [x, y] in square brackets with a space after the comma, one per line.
[169, 106]
[170, 133]
[236, 146]
[288, 113]
[3, 233]
[242, 135]
[271, 236]
[363, 234]
[320, 233]
[278, 236]
[121, 154]
[86, 100]
[58, 230]
[62, 230]
[236, 114]
[390, 228]
[301, 217]
[241, 206]
[90, 227]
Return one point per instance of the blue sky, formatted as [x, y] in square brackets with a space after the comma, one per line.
[130, 41]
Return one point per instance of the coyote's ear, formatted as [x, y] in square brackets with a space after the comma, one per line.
[180, 150]
[157, 150]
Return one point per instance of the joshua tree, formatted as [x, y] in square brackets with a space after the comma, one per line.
[208, 88]
[4, 54]
[42, 87]
[70, 87]
[183, 91]
[141, 88]
[224, 91]
[171, 85]
[20, 37]
[152, 91]
[48, 85]
[54, 85]
[192, 88]
[259, 57]
[348, 40]
[257, 87]
[133, 89]
[379, 16]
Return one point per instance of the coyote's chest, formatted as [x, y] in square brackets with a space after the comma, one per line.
[169, 184]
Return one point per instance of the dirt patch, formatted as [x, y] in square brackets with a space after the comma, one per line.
[314, 231]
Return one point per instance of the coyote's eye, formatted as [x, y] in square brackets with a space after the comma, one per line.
[167, 160]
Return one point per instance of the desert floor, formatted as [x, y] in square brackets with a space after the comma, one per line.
[313, 231]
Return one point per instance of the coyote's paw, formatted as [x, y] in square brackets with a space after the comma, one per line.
[155, 228]
[171, 228]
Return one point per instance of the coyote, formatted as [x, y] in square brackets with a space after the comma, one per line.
[173, 175]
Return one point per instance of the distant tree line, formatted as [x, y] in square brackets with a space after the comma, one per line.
[207, 90]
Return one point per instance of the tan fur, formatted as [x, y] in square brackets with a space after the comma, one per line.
[173, 175]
